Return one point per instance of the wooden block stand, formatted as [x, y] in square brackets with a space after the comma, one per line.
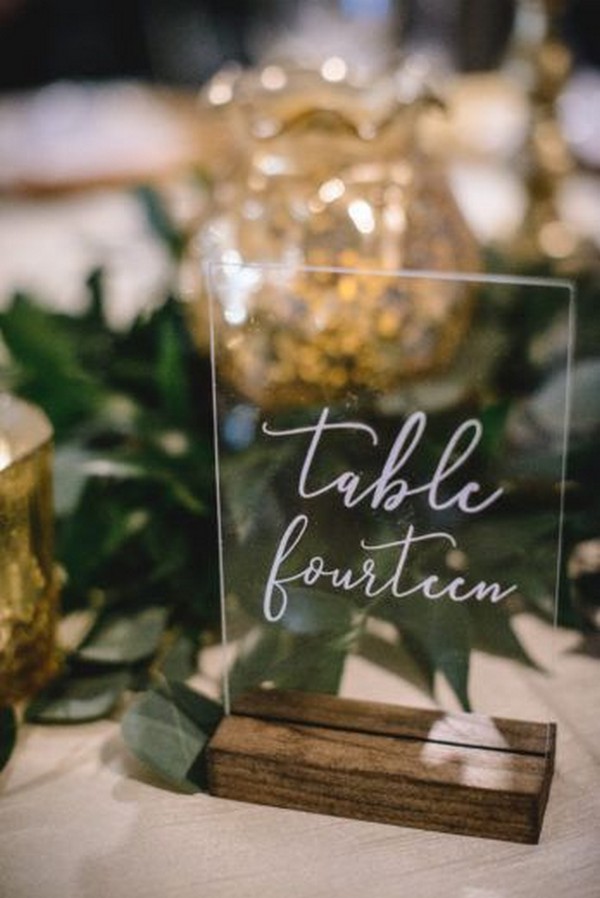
[459, 773]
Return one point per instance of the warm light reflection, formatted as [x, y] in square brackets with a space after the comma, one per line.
[332, 190]
[272, 164]
[334, 69]
[361, 214]
[239, 282]
[220, 93]
[273, 77]
[395, 219]
[450, 741]
[557, 240]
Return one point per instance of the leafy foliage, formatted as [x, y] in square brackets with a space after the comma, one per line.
[77, 698]
[168, 728]
[135, 528]
[131, 416]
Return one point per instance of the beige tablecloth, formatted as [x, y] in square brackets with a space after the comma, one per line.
[80, 818]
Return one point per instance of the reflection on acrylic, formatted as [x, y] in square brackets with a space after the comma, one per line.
[393, 497]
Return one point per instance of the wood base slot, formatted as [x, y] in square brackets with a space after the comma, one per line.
[459, 773]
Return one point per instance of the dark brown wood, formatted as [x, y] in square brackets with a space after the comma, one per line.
[457, 773]
[394, 720]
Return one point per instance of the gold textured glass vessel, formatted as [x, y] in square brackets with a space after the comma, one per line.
[335, 175]
[28, 583]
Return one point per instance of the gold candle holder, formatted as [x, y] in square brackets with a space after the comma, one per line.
[28, 582]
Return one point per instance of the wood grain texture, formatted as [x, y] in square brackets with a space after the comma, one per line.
[395, 720]
[389, 772]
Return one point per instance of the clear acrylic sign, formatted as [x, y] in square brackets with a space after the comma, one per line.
[391, 457]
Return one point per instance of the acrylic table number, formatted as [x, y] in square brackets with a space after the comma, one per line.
[390, 464]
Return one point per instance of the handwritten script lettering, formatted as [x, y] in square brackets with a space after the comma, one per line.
[386, 492]
[389, 491]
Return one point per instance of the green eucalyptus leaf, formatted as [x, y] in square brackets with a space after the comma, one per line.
[400, 658]
[251, 477]
[271, 655]
[203, 711]
[492, 632]
[170, 373]
[547, 406]
[435, 632]
[47, 365]
[70, 476]
[522, 544]
[78, 699]
[418, 655]
[94, 532]
[310, 611]
[312, 665]
[454, 663]
[179, 661]
[74, 465]
[437, 635]
[8, 734]
[162, 735]
[257, 651]
[125, 638]
[445, 636]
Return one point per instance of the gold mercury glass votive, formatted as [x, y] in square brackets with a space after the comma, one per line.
[334, 181]
[28, 582]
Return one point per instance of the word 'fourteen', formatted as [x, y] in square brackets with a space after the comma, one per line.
[386, 492]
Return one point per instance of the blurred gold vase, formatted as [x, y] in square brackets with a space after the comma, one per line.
[332, 176]
[28, 582]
